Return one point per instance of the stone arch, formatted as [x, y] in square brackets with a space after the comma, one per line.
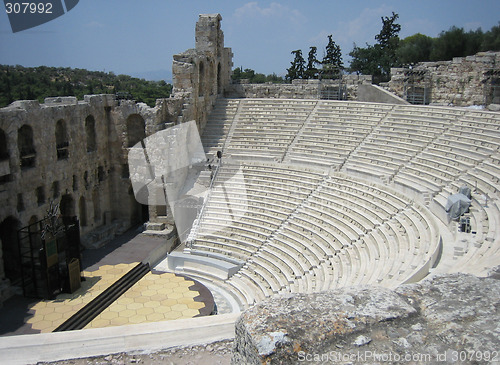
[67, 206]
[97, 205]
[4, 151]
[139, 213]
[32, 220]
[61, 140]
[82, 210]
[4, 159]
[212, 76]
[90, 132]
[201, 78]
[10, 250]
[136, 129]
[219, 86]
[34, 230]
[26, 146]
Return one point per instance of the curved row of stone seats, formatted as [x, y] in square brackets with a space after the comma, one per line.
[320, 243]
[245, 215]
[267, 129]
[449, 157]
[218, 125]
[332, 133]
[359, 238]
[392, 144]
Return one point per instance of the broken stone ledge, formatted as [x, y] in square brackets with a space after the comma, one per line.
[448, 318]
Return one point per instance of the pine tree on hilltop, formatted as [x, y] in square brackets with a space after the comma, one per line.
[297, 68]
[312, 71]
[332, 62]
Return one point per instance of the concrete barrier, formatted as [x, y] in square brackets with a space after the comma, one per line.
[156, 336]
[376, 94]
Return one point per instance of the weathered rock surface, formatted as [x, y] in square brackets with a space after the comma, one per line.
[463, 81]
[450, 318]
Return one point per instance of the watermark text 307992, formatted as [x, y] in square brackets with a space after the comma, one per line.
[26, 14]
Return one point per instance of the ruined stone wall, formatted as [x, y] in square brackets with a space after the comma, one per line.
[460, 82]
[75, 152]
[298, 89]
[450, 318]
[203, 73]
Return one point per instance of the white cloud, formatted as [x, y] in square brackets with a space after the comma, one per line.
[363, 28]
[275, 11]
[424, 26]
[94, 24]
[359, 30]
[472, 26]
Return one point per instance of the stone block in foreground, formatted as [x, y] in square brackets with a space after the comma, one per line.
[441, 320]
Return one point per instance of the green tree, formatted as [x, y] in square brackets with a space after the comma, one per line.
[449, 44]
[413, 49]
[491, 39]
[365, 60]
[388, 37]
[388, 40]
[332, 64]
[377, 60]
[296, 70]
[253, 77]
[312, 71]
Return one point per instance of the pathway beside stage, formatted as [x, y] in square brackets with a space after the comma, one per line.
[158, 296]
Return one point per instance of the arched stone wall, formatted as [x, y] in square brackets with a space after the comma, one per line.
[136, 129]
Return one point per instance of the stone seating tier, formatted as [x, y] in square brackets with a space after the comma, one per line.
[303, 227]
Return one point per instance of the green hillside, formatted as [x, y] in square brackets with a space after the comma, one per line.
[30, 83]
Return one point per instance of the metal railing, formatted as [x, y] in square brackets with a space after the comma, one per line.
[197, 222]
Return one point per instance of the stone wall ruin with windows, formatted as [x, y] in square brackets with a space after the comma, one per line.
[74, 153]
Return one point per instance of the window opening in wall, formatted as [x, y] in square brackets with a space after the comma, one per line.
[212, 77]
[27, 152]
[61, 140]
[20, 202]
[40, 195]
[10, 249]
[100, 174]
[75, 183]
[201, 79]
[55, 189]
[4, 152]
[67, 206]
[219, 86]
[97, 205]
[125, 171]
[83, 211]
[136, 129]
[91, 135]
[86, 180]
[4, 159]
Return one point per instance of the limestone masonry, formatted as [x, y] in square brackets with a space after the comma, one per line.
[324, 185]
[75, 152]
[447, 319]
[464, 81]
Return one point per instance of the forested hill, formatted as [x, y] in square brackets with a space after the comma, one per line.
[37, 83]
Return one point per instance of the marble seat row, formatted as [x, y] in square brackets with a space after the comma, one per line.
[341, 221]
[301, 230]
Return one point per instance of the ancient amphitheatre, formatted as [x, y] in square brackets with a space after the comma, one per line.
[323, 194]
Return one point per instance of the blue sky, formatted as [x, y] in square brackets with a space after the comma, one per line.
[136, 37]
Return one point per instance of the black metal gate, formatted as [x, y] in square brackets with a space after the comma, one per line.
[45, 257]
